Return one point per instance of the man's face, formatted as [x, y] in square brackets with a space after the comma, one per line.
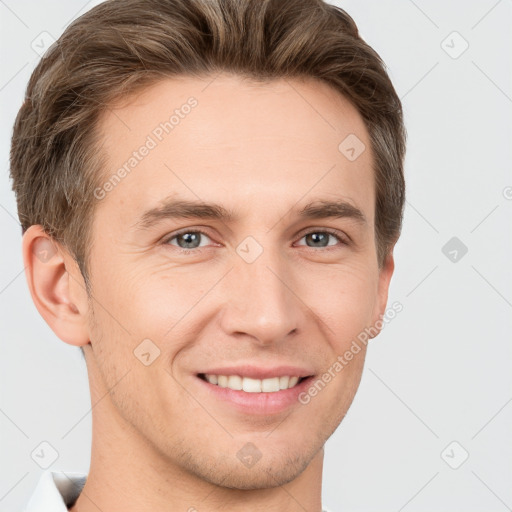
[264, 290]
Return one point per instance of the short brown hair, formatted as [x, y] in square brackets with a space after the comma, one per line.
[121, 46]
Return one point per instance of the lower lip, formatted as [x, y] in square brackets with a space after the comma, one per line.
[258, 403]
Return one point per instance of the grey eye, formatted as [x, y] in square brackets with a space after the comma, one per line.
[320, 239]
[188, 239]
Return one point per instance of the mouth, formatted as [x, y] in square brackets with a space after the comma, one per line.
[251, 396]
[250, 385]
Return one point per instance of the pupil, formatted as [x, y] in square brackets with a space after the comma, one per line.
[189, 238]
[315, 237]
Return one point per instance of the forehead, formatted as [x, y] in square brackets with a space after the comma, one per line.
[235, 142]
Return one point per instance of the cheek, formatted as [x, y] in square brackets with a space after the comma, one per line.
[140, 298]
[167, 306]
[165, 300]
[343, 297]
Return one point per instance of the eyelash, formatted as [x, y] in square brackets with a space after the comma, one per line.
[181, 250]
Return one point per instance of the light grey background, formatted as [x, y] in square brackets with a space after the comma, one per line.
[440, 371]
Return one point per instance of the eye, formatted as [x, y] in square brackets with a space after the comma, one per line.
[187, 240]
[191, 240]
[320, 239]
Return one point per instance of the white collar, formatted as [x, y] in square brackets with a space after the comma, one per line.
[56, 491]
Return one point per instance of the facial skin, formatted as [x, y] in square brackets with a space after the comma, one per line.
[161, 439]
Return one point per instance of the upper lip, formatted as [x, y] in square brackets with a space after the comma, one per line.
[259, 372]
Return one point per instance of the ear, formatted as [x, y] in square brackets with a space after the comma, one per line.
[385, 274]
[56, 286]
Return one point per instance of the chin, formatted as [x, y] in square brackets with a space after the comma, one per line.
[266, 473]
[261, 476]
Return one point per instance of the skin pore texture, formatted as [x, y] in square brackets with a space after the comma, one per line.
[161, 439]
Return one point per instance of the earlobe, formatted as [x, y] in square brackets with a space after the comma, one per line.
[49, 269]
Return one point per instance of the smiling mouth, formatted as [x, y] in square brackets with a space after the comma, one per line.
[249, 385]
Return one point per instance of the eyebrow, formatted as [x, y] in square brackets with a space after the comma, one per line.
[190, 209]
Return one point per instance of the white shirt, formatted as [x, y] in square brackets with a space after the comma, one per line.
[56, 491]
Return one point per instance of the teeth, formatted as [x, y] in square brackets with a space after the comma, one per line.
[283, 382]
[212, 379]
[235, 382]
[249, 385]
[270, 385]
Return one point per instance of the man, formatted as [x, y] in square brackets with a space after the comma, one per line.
[210, 193]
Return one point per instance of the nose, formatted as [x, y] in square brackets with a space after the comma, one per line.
[261, 302]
